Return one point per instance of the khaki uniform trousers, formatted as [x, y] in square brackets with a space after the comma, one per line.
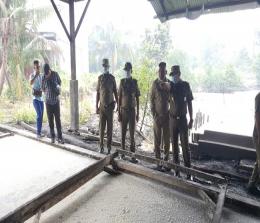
[106, 120]
[161, 130]
[128, 119]
[179, 127]
[255, 177]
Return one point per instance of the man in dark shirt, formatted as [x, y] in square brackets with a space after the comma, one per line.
[180, 99]
[51, 88]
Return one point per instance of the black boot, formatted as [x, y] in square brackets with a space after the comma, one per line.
[101, 150]
[253, 190]
[108, 151]
[177, 173]
[134, 160]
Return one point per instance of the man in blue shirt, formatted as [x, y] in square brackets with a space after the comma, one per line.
[36, 82]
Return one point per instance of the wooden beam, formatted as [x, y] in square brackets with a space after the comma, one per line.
[164, 9]
[60, 18]
[5, 135]
[220, 204]
[207, 6]
[52, 196]
[246, 204]
[223, 173]
[208, 201]
[91, 137]
[67, 138]
[81, 18]
[197, 173]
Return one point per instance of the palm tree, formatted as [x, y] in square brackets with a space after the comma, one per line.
[21, 42]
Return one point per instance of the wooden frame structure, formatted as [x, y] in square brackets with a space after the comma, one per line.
[216, 196]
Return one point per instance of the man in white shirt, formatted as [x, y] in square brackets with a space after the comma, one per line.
[36, 83]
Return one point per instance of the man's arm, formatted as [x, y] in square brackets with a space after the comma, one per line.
[58, 77]
[257, 124]
[189, 100]
[190, 113]
[137, 108]
[98, 97]
[115, 93]
[137, 95]
[257, 117]
[152, 100]
[32, 79]
[119, 102]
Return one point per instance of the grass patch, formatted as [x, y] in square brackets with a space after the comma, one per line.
[1, 116]
[84, 112]
[27, 114]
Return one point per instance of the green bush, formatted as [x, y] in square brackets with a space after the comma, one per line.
[27, 114]
[84, 112]
[1, 116]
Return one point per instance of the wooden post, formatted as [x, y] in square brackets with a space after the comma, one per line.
[220, 204]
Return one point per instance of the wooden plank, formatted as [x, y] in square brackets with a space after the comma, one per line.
[57, 193]
[246, 205]
[68, 147]
[197, 173]
[208, 201]
[67, 138]
[3, 135]
[91, 137]
[223, 173]
[225, 151]
[220, 204]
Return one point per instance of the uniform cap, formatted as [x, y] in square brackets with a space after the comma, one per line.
[128, 66]
[175, 70]
[162, 65]
[105, 62]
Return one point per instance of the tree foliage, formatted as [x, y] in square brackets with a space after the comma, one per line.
[21, 43]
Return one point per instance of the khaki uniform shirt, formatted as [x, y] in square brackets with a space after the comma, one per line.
[159, 99]
[181, 94]
[128, 91]
[257, 109]
[106, 87]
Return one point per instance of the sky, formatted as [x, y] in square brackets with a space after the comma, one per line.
[236, 29]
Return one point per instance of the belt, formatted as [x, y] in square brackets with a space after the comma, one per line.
[178, 117]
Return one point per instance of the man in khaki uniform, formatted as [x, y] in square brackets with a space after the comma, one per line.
[105, 103]
[254, 179]
[128, 107]
[160, 112]
[180, 99]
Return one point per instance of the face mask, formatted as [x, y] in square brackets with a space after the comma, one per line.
[106, 70]
[127, 74]
[175, 79]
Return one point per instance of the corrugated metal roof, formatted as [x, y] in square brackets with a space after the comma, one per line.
[192, 9]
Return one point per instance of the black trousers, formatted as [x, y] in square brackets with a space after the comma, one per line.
[53, 111]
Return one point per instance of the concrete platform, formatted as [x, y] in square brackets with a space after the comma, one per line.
[127, 198]
[28, 168]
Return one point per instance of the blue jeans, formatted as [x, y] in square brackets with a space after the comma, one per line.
[39, 108]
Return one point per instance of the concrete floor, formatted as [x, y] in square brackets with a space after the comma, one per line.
[127, 198]
[28, 168]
